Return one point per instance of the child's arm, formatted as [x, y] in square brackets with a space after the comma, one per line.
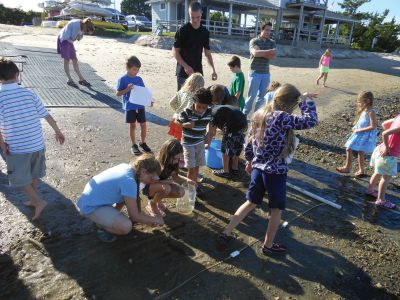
[309, 117]
[140, 217]
[3, 146]
[386, 124]
[372, 121]
[184, 120]
[320, 60]
[59, 136]
[126, 90]
[249, 155]
[385, 138]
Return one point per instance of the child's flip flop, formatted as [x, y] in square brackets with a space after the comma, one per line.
[85, 83]
[72, 84]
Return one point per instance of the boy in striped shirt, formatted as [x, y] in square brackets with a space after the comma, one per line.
[21, 136]
[195, 138]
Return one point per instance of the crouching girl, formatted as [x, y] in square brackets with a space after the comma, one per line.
[171, 159]
[106, 193]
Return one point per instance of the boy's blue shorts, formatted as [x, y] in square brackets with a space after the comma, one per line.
[136, 115]
[273, 184]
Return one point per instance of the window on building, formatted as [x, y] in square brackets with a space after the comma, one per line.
[162, 6]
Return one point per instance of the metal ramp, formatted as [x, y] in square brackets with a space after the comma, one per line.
[43, 73]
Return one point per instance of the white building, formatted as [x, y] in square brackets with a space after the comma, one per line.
[295, 22]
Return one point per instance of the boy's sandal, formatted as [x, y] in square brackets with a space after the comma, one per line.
[235, 172]
[275, 249]
[72, 84]
[224, 238]
[85, 83]
[385, 204]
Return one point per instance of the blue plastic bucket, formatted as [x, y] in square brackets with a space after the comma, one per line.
[214, 155]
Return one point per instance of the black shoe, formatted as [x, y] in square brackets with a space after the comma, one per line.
[222, 173]
[145, 148]
[135, 150]
[275, 249]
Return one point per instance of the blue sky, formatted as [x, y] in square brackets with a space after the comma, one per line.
[374, 5]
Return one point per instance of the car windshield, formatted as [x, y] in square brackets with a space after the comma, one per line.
[142, 18]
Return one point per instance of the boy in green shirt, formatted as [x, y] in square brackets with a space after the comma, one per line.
[237, 85]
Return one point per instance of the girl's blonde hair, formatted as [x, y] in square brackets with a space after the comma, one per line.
[368, 99]
[285, 99]
[147, 162]
[328, 52]
[193, 83]
[273, 86]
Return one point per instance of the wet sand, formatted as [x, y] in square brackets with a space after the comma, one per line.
[347, 254]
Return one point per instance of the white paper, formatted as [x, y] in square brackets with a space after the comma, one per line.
[140, 95]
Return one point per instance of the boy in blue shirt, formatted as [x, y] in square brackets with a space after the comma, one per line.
[133, 112]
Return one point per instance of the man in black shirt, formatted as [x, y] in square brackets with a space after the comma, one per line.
[190, 40]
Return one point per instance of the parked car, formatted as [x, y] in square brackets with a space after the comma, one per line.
[138, 23]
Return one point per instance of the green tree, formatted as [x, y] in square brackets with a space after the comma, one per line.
[350, 7]
[371, 25]
[136, 7]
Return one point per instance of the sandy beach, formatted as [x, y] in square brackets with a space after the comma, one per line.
[352, 253]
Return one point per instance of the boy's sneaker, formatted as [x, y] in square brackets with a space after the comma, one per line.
[105, 237]
[135, 150]
[222, 173]
[275, 249]
[145, 148]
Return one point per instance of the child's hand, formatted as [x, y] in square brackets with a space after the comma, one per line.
[383, 150]
[158, 221]
[129, 87]
[249, 168]
[206, 146]
[188, 125]
[4, 149]
[354, 129]
[312, 96]
[60, 137]
[191, 182]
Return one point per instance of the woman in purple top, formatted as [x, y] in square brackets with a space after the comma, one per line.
[270, 141]
[71, 32]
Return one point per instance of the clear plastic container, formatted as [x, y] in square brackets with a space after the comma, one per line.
[185, 205]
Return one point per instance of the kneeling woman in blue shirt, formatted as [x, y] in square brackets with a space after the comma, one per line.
[106, 194]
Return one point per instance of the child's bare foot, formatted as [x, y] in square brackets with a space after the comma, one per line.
[343, 170]
[28, 203]
[39, 209]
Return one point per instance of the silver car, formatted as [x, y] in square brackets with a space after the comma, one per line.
[138, 23]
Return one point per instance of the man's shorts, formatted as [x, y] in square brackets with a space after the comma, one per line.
[273, 184]
[23, 168]
[136, 115]
[232, 143]
[383, 165]
[194, 155]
